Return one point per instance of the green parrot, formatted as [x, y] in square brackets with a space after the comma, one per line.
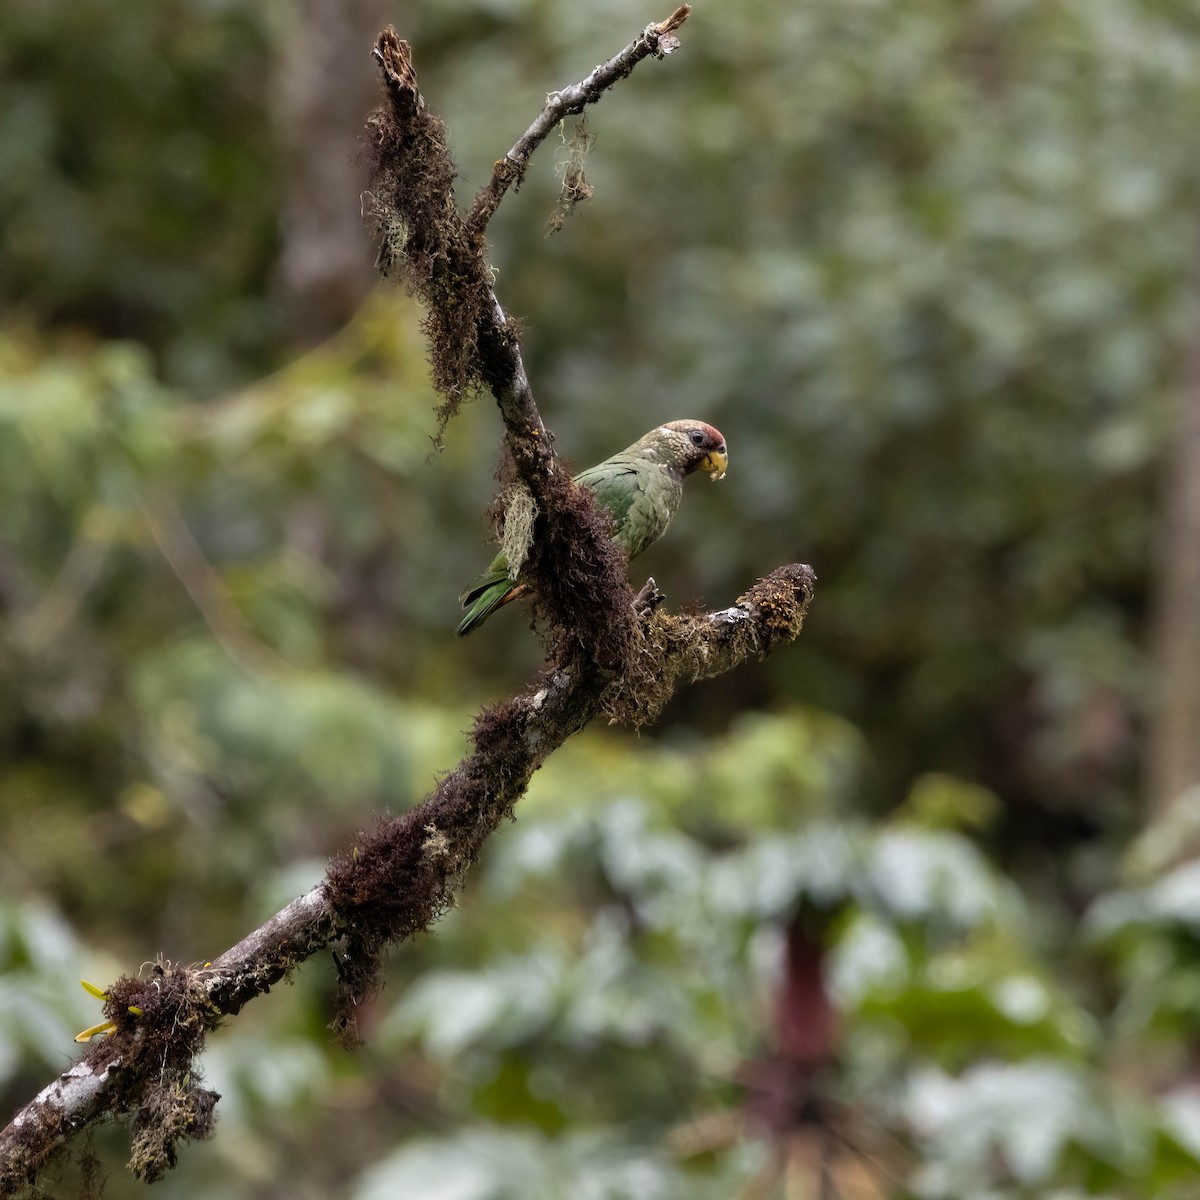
[641, 488]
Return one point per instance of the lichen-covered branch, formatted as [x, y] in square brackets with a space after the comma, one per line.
[393, 883]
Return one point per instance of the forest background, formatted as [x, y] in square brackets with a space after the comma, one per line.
[906, 910]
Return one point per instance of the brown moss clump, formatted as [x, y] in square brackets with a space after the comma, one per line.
[578, 574]
[411, 209]
[574, 570]
[403, 874]
[169, 1012]
[161, 1023]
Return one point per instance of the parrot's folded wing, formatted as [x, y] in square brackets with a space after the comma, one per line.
[487, 593]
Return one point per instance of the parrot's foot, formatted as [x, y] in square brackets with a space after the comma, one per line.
[649, 598]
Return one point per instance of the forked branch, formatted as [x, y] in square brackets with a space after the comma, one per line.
[442, 259]
[613, 655]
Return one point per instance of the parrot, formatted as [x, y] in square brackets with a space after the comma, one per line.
[640, 488]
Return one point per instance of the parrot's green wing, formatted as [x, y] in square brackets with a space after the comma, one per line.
[639, 495]
[616, 486]
[485, 594]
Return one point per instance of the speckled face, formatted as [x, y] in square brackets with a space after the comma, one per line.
[695, 445]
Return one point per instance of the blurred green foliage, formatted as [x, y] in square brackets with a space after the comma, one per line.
[930, 267]
[133, 148]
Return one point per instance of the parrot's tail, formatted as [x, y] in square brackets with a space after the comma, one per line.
[484, 596]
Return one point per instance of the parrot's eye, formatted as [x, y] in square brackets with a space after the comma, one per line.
[697, 438]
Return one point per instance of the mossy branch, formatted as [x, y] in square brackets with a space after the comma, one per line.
[394, 883]
[442, 258]
[613, 654]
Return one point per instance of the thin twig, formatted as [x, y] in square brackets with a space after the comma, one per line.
[657, 39]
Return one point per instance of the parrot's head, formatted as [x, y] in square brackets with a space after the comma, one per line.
[694, 446]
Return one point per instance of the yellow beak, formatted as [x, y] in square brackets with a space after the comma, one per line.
[715, 463]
